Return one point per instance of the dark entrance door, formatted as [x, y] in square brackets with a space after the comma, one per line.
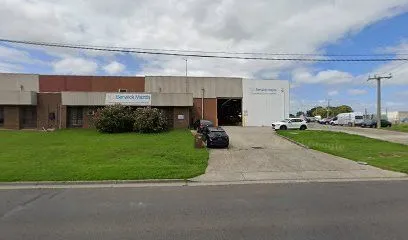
[75, 117]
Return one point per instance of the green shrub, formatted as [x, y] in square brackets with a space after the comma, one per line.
[114, 119]
[150, 120]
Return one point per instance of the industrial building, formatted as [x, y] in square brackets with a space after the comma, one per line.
[29, 101]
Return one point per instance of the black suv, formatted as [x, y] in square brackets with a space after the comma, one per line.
[216, 137]
[201, 125]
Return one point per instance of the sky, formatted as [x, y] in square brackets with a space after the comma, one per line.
[279, 26]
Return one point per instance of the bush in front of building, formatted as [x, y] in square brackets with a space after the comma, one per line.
[150, 120]
[114, 119]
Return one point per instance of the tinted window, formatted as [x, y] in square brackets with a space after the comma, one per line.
[359, 117]
[207, 123]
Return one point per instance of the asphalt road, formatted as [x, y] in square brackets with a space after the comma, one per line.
[353, 210]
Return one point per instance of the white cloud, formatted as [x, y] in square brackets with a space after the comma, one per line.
[13, 55]
[8, 67]
[324, 77]
[333, 93]
[114, 68]
[224, 25]
[399, 70]
[356, 91]
[75, 66]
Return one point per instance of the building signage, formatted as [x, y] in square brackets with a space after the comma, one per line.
[264, 91]
[130, 99]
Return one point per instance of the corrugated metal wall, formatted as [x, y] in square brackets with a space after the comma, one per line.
[214, 86]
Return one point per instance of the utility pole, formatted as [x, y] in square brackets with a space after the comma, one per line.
[185, 59]
[379, 78]
[328, 107]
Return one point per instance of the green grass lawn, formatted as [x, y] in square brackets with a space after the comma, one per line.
[88, 155]
[382, 154]
[399, 127]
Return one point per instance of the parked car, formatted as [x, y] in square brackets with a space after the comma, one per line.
[334, 121]
[201, 125]
[290, 123]
[325, 121]
[216, 137]
[372, 123]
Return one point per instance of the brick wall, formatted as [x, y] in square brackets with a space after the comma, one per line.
[55, 83]
[210, 109]
[48, 103]
[12, 117]
[181, 123]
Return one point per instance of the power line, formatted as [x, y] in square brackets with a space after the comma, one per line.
[219, 52]
[191, 54]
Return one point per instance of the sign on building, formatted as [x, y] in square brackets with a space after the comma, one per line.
[264, 91]
[129, 99]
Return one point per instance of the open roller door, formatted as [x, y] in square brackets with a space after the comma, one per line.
[229, 111]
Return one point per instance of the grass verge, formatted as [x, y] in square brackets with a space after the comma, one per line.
[382, 154]
[399, 127]
[71, 155]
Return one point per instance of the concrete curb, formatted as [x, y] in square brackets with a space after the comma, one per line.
[293, 141]
[106, 182]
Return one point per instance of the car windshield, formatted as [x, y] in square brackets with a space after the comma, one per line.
[207, 123]
[285, 120]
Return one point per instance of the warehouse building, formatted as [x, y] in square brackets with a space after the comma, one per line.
[54, 101]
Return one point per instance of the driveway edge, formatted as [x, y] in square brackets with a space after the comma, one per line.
[293, 141]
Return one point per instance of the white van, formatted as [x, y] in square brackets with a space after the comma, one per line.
[350, 119]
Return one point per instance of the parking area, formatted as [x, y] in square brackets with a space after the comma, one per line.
[381, 134]
[258, 153]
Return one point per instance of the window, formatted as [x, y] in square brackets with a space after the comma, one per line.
[75, 117]
[29, 117]
[122, 90]
[1, 116]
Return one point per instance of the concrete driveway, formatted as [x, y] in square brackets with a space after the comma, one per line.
[258, 153]
[386, 135]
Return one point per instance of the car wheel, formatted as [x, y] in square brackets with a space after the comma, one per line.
[303, 127]
[283, 128]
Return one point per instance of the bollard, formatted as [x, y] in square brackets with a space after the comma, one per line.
[198, 141]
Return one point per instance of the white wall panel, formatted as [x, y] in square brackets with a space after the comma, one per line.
[214, 86]
[19, 82]
[264, 101]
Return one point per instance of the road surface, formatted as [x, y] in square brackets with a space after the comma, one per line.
[320, 211]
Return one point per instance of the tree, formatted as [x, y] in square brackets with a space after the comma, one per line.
[333, 111]
[291, 115]
[114, 119]
[150, 120]
[341, 109]
[319, 111]
[300, 113]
